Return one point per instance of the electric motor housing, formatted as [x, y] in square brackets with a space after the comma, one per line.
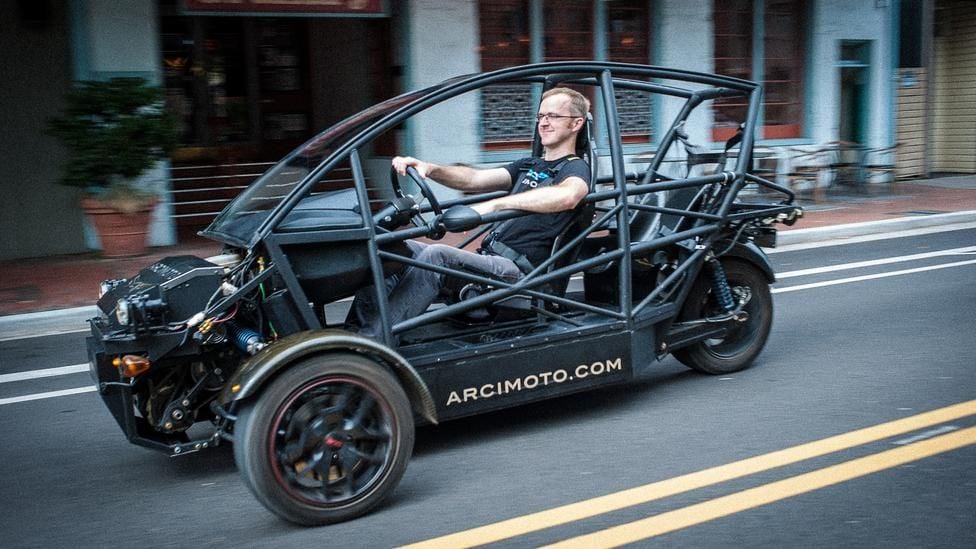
[171, 290]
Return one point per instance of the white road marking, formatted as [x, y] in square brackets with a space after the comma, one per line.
[926, 434]
[840, 241]
[49, 394]
[49, 372]
[875, 262]
[870, 277]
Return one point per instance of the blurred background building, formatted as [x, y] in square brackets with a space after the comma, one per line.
[249, 80]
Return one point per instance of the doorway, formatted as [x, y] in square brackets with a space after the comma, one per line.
[246, 90]
[854, 69]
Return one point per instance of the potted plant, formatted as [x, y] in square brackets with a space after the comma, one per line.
[114, 132]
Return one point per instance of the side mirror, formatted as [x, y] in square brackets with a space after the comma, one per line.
[460, 218]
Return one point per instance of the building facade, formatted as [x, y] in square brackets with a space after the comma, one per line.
[248, 82]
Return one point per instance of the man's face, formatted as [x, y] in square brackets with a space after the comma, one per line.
[562, 126]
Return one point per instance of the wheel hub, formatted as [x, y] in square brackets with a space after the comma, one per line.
[333, 442]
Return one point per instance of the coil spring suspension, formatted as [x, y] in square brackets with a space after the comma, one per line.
[246, 339]
[720, 286]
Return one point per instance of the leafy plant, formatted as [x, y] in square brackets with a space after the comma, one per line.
[114, 131]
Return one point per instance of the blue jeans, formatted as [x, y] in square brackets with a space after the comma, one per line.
[414, 289]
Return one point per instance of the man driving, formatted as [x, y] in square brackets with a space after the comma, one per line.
[551, 187]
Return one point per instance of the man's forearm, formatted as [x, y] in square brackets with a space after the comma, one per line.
[464, 178]
[559, 198]
[455, 177]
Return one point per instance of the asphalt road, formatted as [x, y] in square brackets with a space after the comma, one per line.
[830, 439]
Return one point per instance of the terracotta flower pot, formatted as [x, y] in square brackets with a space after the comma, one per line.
[122, 233]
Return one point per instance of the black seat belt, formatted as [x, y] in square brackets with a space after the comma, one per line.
[491, 246]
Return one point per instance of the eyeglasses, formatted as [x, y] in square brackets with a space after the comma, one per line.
[552, 116]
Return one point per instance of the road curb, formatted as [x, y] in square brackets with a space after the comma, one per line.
[60, 321]
[74, 320]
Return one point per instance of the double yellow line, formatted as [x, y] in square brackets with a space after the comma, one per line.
[733, 503]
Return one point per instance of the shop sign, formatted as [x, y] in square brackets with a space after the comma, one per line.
[285, 7]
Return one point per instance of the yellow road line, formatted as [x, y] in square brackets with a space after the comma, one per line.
[770, 493]
[564, 514]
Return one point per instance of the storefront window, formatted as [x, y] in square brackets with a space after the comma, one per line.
[784, 44]
[628, 42]
[235, 81]
[504, 33]
[733, 57]
[284, 97]
[783, 39]
[246, 89]
[628, 33]
[506, 110]
[567, 27]
[565, 33]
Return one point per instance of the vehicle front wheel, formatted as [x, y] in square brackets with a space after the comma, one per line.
[743, 343]
[327, 441]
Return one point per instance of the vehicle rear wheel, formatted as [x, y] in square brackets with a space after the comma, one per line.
[327, 441]
[745, 341]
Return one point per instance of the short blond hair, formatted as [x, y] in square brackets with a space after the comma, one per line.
[580, 104]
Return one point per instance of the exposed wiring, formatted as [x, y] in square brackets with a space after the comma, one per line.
[734, 240]
[232, 314]
[274, 333]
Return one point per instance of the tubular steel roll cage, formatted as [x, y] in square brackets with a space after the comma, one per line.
[718, 212]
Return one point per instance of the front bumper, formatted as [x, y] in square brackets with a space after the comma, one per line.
[118, 393]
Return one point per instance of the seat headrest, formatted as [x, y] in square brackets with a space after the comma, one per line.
[585, 137]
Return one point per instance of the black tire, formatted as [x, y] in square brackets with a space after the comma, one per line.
[327, 440]
[743, 344]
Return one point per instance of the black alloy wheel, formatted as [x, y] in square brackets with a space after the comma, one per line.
[327, 441]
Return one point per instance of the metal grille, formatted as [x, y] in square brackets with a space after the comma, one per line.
[634, 111]
[507, 114]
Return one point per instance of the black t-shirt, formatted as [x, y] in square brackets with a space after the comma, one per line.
[532, 235]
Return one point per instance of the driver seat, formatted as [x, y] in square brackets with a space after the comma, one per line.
[583, 218]
[585, 149]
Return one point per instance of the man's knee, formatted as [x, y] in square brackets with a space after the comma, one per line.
[436, 254]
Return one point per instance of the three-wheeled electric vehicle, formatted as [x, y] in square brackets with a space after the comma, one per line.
[252, 346]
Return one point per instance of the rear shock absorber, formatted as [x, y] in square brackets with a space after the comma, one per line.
[720, 285]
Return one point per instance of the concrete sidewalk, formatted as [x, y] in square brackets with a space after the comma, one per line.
[57, 294]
